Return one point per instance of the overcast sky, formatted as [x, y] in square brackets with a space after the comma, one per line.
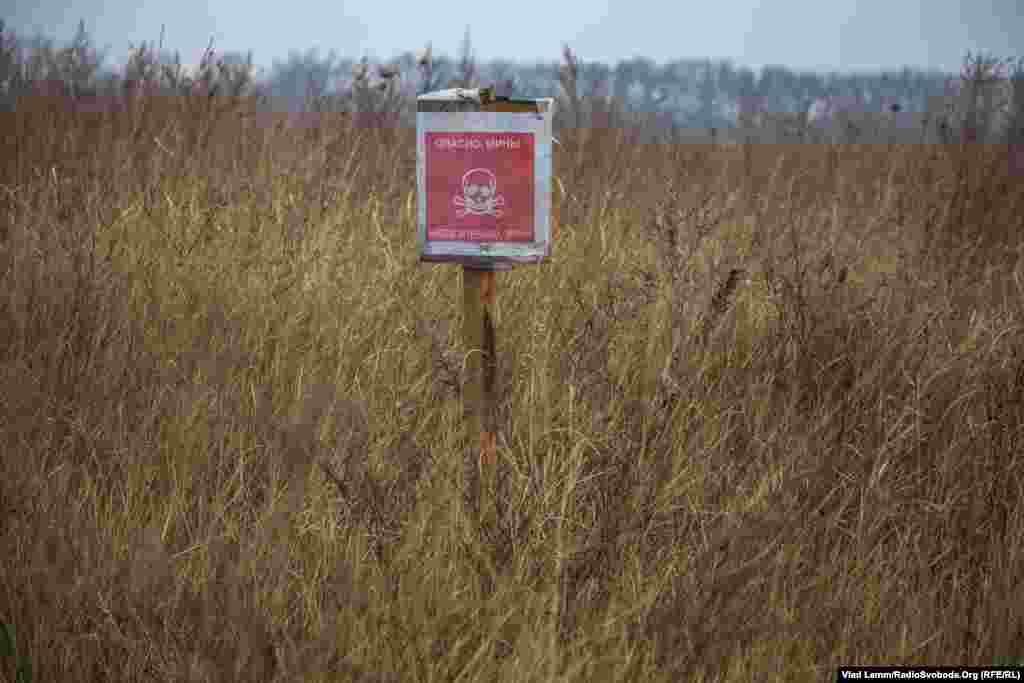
[845, 35]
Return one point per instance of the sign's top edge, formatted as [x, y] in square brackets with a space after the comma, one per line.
[474, 95]
[453, 95]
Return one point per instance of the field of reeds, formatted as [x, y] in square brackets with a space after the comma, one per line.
[763, 409]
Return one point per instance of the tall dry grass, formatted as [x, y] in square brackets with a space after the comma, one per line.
[763, 410]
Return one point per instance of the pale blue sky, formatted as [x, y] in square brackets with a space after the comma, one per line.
[801, 34]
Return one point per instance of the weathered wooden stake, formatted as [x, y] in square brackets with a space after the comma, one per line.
[479, 291]
[483, 179]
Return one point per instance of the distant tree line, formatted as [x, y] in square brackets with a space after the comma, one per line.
[985, 102]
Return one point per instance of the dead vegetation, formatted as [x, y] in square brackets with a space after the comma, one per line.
[763, 410]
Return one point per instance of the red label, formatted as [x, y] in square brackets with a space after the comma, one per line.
[480, 187]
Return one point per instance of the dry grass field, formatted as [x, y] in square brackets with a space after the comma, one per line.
[763, 410]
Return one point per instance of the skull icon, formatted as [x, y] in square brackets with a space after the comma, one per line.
[479, 194]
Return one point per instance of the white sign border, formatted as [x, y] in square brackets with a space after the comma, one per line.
[540, 126]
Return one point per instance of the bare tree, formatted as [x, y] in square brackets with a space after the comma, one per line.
[568, 76]
[502, 73]
[466, 72]
[1015, 123]
[429, 79]
[981, 76]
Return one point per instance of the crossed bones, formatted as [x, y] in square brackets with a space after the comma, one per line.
[479, 187]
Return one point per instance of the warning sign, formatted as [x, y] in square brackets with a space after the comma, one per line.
[480, 187]
[483, 178]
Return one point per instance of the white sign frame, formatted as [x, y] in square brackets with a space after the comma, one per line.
[488, 255]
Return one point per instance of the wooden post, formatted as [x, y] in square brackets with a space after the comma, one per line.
[459, 131]
[479, 291]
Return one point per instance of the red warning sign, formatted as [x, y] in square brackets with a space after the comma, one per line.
[480, 187]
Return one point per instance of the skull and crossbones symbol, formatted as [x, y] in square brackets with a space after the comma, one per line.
[479, 194]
